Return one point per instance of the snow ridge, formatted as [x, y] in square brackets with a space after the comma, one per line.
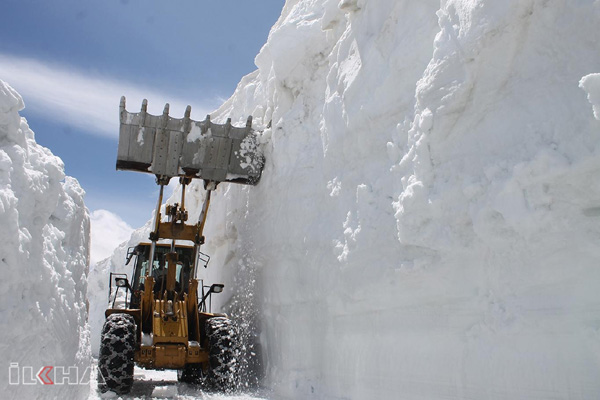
[44, 253]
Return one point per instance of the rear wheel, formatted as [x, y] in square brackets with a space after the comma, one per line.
[117, 348]
[224, 354]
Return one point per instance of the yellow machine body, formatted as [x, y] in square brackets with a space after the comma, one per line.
[170, 327]
[169, 330]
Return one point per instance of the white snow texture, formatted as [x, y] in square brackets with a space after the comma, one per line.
[43, 257]
[428, 221]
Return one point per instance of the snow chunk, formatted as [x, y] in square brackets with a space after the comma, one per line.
[147, 339]
[591, 84]
[165, 391]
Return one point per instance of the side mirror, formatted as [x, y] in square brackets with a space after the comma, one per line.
[216, 288]
[120, 282]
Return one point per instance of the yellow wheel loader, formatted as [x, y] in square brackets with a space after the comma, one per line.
[162, 317]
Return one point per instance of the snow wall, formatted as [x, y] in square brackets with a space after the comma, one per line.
[428, 221]
[43, 258]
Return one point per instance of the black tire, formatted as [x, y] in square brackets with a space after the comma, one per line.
[224, 353]
[117, 348]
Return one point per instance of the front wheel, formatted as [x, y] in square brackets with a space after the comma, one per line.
[224, 354]
[117, 349]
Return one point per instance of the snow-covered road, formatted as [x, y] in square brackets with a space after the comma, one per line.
[149, 384]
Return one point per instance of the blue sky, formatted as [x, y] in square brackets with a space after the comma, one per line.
[72, 60]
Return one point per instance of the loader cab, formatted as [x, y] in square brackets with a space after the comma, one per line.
[158, 268]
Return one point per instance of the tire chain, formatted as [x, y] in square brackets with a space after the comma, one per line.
[224, 351]
[117, 349]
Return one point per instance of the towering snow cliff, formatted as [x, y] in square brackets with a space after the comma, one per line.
[427, 225]
[43, 257]
[428, 221]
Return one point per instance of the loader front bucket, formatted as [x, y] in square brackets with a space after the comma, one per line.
[170, 147]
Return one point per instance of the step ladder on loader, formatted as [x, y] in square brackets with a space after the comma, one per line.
[165, 323]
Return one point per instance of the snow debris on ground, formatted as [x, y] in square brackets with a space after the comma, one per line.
[427, 225]
[149, 384]
[44, 253]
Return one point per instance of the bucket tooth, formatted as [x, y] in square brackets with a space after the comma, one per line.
[122, 111]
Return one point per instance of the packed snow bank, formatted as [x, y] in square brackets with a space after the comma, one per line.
[428, 222]
[44, 256]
